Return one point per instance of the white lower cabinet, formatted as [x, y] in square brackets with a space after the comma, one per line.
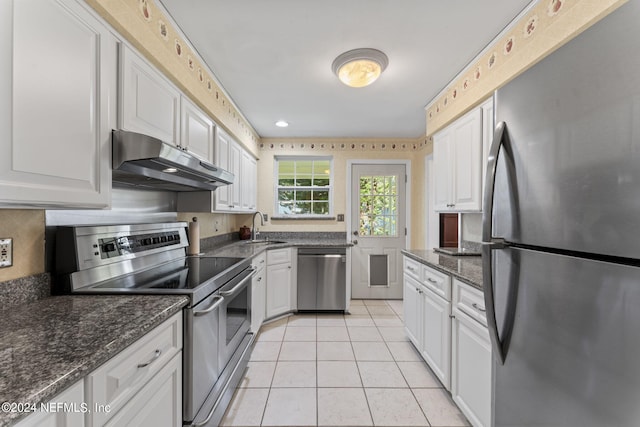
[279, 282]
[445, 320]
[471, 356]
[412, 307]
[436, 336]
[426, 316]
[159, 402]
[140, 386]
[258, 292]
[73, 397]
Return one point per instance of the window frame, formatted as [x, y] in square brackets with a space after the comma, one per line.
[277, 187]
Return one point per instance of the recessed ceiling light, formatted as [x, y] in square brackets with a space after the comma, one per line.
[170, 170]
[360, 67]
[282, 124]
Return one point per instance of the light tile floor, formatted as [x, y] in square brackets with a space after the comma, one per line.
[335, 370]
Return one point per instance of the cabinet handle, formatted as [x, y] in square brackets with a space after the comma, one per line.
[477, 307]
[153, 359]
[260, 279]
[261, 261]
[289, 267]
[411, 269]
[430, 280]
[452, 316]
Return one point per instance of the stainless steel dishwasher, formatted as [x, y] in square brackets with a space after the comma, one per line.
[322, 279]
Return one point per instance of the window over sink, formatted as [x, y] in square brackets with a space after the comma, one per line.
[304, 186]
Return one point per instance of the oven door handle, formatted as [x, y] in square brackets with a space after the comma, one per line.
[217, 301]
[240, 285]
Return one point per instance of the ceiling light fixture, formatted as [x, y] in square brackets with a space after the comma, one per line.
[360, 67]
[282, 124]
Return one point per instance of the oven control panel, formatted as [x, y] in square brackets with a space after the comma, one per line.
[111, 247]
[94, 246]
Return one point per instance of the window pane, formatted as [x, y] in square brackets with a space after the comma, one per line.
[286, 167]
[286, 182]
[285, 195]
[303, 208]
[304, 181]
[321, 208]
[321, 195]
[285, 207]
[321, 167]
[304, 167]
[320, 182]
[303, 195]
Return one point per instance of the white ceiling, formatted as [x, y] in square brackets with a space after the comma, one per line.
[274, 57]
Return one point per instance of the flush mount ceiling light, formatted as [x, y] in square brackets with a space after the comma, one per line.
[282, 123]
[360, 67]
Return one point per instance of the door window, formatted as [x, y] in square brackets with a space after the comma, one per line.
[378, 206]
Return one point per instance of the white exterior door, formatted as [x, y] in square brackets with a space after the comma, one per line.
[378, 227]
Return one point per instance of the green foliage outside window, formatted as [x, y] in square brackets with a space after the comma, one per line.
[378, 206]
[304, 186]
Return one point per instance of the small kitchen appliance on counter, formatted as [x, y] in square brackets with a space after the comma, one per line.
[151, 259]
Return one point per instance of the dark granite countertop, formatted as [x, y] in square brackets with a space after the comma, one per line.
[244, 249]
[466, 268]
[48, 345]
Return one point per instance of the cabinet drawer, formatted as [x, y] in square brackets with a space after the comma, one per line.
[121, 377]
[278, 256]
[413, 268]
[259, 262]
[438, 282]
[469, 300]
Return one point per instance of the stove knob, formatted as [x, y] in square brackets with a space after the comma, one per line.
[109, 247]
[163, 239]
[146, 241]
[156, 240]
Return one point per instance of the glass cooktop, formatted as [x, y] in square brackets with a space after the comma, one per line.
[185, 273]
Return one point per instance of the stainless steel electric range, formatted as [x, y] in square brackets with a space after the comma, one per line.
[151, 259]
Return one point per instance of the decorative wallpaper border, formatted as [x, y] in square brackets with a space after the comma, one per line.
[544, 28]
[136, 20]
[315, 144]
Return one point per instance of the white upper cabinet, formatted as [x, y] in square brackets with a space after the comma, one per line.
[459, 155]
[149, 103]
[198, 131]
[239, 197]
[249, 169]
[58, 87]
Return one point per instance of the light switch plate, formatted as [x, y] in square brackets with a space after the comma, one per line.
[340, 217]
[6, 252]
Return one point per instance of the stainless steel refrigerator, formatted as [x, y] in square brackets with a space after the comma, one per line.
[561, 226]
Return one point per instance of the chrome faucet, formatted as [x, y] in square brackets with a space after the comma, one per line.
[254, 234]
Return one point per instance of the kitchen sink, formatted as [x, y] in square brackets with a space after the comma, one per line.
[264, 242]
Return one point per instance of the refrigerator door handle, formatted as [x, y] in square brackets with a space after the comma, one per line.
[489, 299]
[490, 182]
[489, 243]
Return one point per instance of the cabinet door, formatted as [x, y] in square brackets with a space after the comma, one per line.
[223, 194]
[249, 176]
[58, 87]
[436, 335]
[442, 158]
[488, 128]
[197, 131]
[258, 299]
[149, 103]
[471, 369]
[278, 289]
[74, 395]
[158, 404]
[412, 309]
[235, 166]
[467, 161]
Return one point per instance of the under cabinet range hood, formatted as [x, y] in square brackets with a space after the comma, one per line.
[147, 163]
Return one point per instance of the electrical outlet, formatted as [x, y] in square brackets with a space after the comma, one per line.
[340, 217]
[6, 252]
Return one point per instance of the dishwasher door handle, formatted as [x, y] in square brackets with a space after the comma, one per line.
[321, 255]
